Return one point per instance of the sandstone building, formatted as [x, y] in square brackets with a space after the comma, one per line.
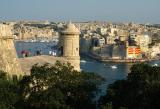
[69, 44]
[29, 32]
[8, 57]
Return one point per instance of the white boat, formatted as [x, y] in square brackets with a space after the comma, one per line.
[155, 65]
[114, 67]
[32, 40]
[42, 41]
[83, 61]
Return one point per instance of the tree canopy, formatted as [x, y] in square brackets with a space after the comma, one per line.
[9, 90]
[50, 87]
[141, 89]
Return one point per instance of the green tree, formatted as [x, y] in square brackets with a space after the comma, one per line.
[139, 91]
[59, 87]
[8, 91]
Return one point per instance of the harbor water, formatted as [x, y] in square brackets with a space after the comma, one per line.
[109, 71]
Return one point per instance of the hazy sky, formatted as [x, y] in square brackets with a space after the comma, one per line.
[81, 10]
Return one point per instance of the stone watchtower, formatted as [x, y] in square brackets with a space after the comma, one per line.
[8, 56]
[69, 40]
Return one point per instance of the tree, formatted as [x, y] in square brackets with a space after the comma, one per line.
[59, 87]
[139, 91]
[49, 87]
[8, 91]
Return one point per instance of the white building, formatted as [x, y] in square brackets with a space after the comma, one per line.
[101, 41]
[154, 51]
[102, 31]
[143, 41]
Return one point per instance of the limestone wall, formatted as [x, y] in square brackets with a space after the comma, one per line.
[28, 32]
[71, 50]
[8, 56]
[5, 30]
[70, 43]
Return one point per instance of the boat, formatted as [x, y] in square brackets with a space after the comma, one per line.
[31, 40]
[114, 67]
[155, 65]
[42, 41]
[83, 61]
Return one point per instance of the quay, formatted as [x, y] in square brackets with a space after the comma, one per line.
[106, 59]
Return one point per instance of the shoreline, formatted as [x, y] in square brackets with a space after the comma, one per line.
[103, 59]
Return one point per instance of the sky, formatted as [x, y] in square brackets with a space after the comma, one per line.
[140, 11]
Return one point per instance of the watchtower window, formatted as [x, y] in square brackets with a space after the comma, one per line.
[61, 50]
[77, 49]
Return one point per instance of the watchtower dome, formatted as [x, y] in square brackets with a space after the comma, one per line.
[70, 45]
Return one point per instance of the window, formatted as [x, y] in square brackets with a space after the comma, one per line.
[77, 49]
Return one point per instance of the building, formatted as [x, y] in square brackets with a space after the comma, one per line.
[118, 51]
[102, 31]
[31, 32]
[69, 45]
[8, 57]
[154, 51]
[133, 52]
[101, 41]
[85, 45]
[110, 39]
[143, 40]
[113, 31]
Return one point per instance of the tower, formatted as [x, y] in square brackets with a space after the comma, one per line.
[70, 45]
[8, 57]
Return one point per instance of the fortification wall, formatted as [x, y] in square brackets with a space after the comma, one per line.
[8, 56]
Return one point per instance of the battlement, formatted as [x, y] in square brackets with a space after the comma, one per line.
[5, 31]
